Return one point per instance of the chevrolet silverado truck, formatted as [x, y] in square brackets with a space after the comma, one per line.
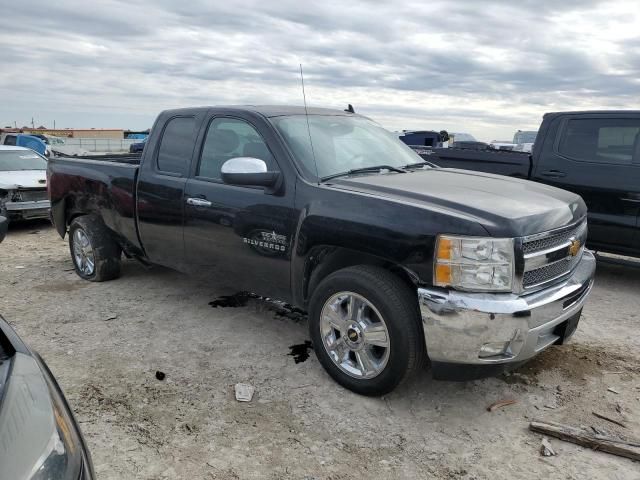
[595, 154]
[395, 261]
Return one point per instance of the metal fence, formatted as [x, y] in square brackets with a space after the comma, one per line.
[99, 144]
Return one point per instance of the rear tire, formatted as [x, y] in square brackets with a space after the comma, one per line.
[365, 328]
[94, 252]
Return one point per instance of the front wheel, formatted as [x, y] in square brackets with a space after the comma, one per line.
[95, 254]
[365, 328]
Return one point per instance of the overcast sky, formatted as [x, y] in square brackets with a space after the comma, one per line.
[484, 67]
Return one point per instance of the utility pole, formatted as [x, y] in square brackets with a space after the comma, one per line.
[54, 124]
[33, 125]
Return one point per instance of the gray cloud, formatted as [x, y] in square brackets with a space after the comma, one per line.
[485, 67]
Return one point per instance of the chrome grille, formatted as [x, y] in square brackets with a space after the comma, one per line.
[551, 241]
[550, 271]
[32, 195]
[547, 255]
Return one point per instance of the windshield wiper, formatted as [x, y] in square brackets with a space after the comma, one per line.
[376, 168]
[420, 164]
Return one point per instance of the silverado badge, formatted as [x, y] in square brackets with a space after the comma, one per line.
[574, 248]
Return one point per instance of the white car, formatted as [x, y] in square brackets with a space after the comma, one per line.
[23, 184]
[498, 145]
[523, 147]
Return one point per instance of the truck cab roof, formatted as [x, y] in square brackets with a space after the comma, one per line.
[594, 112]
[266, 110]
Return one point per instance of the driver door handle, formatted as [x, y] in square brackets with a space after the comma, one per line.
[553, 173]
[198, 202]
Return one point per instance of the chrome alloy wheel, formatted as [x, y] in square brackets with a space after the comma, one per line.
[355, 335]
[83, 253]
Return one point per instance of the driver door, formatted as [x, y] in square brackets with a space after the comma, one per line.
[239, 236]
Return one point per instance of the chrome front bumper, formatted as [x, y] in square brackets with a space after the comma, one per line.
[470, 328]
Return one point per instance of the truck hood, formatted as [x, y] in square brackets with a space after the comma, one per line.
[504, 206]
[23, 179]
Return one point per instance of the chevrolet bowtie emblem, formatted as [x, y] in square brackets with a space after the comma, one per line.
[574, 248]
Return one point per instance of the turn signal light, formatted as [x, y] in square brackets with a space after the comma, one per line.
[443, 274]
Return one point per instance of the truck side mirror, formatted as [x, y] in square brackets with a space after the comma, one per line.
[248, 171]
[4, 224]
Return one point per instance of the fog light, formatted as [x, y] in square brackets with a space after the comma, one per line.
[495, 349]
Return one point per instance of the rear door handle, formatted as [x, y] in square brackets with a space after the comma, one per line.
[553, 173]
[198, 202]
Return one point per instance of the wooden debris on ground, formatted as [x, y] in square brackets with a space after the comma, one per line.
[624, 448]
[609, 419]
[546, 450]
[500, 404]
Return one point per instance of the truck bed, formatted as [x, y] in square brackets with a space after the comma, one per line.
[502, 162]
[130, 158]
[105, 185]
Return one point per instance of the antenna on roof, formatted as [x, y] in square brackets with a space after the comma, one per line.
[306, 114]
[350, 109]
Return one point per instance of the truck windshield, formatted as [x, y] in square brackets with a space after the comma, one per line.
[341, 144]
[16, 160]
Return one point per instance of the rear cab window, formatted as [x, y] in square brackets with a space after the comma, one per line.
[602, 140]
[176, 146]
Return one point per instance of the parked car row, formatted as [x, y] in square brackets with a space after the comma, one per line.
[216, 186]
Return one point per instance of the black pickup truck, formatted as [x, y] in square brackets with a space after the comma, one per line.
[396, 261]
[595, 154]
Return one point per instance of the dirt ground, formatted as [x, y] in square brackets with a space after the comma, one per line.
[105, 343]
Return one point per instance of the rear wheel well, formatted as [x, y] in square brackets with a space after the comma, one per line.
[328, 259]
[71, 212]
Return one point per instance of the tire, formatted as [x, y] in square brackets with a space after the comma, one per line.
[94, 252]
[384, 295]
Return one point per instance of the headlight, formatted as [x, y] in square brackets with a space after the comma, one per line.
[474, 264]
[39, 436]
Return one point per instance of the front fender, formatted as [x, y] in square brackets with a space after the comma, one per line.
[320, 250]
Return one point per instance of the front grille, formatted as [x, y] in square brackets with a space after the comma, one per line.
[549, 272]
[553, 240]
[32, 195]
[547, 256]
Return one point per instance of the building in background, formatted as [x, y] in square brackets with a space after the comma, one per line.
[109, 133]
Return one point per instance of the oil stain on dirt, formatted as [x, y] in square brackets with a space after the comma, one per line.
[300, 352]
[280, 309]
[239, 299]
